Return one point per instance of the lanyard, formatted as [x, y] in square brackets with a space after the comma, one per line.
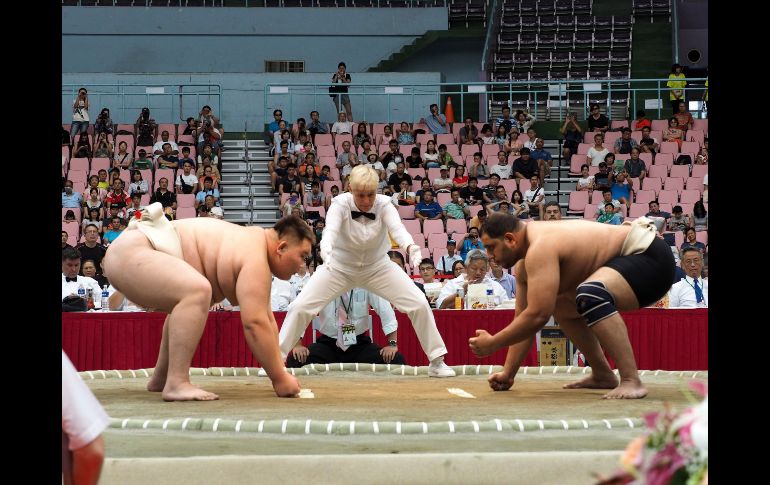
[350, 304]
[693, 289]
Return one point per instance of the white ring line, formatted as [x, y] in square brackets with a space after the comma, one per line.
[451, 427]
[307, 427]
[376, 427]
[356, 366]
[260, 426]
[145, 424]
[165, 424]
[283, 426]
[521, 424]
[329, 426]
[478, 369]
[118, 373]
[238, 426]
[630, 423]
[352, 427]
[145, 373]
[475, 426]
[90, 374]
[216, 424]
[247, 371]
[541, 424]
[398, 427]
[424, 428]
[564, 423]
[124, 423]
[585, 423]
[133, 374]
[609, 426]
[499, 424]
[184, 423]
[463, 369]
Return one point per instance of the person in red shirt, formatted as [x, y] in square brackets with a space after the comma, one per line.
[641, 121]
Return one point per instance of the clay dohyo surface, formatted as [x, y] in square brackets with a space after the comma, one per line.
[366, 397]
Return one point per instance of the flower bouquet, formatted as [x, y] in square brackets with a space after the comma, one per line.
[674, 451]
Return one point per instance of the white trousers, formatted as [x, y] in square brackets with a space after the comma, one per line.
[385, 279]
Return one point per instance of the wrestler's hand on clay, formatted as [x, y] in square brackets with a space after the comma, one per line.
[301, 353]
[482, 344]
[286, 385]
[388, 353]
[500, 381]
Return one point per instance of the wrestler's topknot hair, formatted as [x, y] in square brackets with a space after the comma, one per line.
[498, 224]
[294, 227]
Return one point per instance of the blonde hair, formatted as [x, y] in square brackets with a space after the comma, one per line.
[363, 177]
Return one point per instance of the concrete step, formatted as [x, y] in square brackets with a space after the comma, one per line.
[256, 178]
[243, 202]
[232, 167]
[243, 190]
[261, 217]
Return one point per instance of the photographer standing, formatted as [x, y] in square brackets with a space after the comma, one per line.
[146, 129]
[208, 134]
[341, 77]
[80, 117]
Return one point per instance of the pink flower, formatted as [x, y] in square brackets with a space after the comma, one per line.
[699, 386]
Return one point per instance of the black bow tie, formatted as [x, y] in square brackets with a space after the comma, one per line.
[357, 214]
[75, 279]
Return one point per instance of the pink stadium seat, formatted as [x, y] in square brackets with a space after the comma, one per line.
[145, 200]
[432, 226]
[168, 173]
[437, 240]
[596, 196]
[690, 196]
[125, 127]
[635, 184]
[665, 196]
[456, 226]
[659, 171]
[416, 185]
[610, 137]
[468, 157]
[636, 135]
[340, 139]
[407, 213]
[695, 183]
[413, 172]
[76, 210]
[382, 149]
[170, 127]
[588, 136]
[147, 149]
[679, 238]
[699, 170]
[79, 164]
[454, 150]
[321, 211]
[99, 164]
[437, 253]
[445, 139]
[185, 200]
[185, 213]
[690, 147]
[576, 162]
[590, 214]
[185, 139]
[615, 125]
[433, 174]
[652, 183]
[674, 183]
[125, 176]
[686, 208]
[702, 125]
[592, 170]
[443, 198]
[510, 186]
[646, 196]
[583, 148]
[578, 199]
[669, 147]
[702, 236]
[78, 178]
[646, 158]
[665, 207]
[323, 139]
[328, 187]
[680, 171]
[663, 159]
[73, 232]
[489, 152]
[423, 138]
[474, 211]
[659, 125]
[326, 151]
[638, 210]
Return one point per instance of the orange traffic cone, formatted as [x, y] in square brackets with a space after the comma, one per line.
[449, 112]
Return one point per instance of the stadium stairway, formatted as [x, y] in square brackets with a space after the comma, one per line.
[234, 186]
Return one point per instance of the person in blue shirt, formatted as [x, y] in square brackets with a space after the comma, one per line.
[70, 198]
[610, 216]
[472, 241]
[200, 197]
[622, 191]
[543, 159]
[428, 208]
[436, 121]
[273, 127]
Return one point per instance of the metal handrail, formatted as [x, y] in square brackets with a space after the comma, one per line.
[490, 41]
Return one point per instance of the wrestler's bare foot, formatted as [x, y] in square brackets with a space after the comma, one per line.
[628, 389]
[187, 392]
[157, 382]
[595, 381]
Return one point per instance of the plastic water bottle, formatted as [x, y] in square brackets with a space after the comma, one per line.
[105, 299]
[491, 303]
[82, 292]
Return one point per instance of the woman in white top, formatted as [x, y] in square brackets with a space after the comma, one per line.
[93, 202]
[122, 159]
[92, 218]
[585, 182]
[138, 184]
[80, 117]
[431, 155]
[597, 152]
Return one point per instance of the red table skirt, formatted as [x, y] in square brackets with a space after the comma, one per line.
[661, 339]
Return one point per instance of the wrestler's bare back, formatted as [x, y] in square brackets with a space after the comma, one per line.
[219, 250]
[581, 246]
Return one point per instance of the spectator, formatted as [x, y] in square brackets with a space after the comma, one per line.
[114, 229]
[503, 170]
[316, 126]
[186, 181]
[622, 190]
[103, 183]
[83, 421]
[158, 147]
[524, 121]
[458, 268]
[625, 143]
[326, 171]
[658, 216]
[314, 197]
[92, 217]
[191, 128]
[340, 91]
[205, 164]
[673, 132]
[431, 155]
[471, 241]
[479, 168]
[290, 182]
[498, 195]
[692, 290]
[487, 137]
[472, 194]
[90, 248]
[367, 149]
[404, 196]
[543, 158]
[691, 241]
[279, 172]
[414, 160]
[447, 261]
[551, 211]
[505, 279]
[69, 216]
[705, 189]
[683, 117]
[64, 237]
[597, 121]
[703, 156]
[443, 183]
[392, 157]
[445, 158]
[531, 142]
[572, 134]
[436, 122]
[209, 209]
[478, 219]
[501, 136]
[293, 201]
[70, 198]
[138, 184]
[163, 195]
[145, 128]
[372, 161]
[136, 206]
[341, 126]
[525, 167]
[677, 83]
[469, 134]
[386, 136]
[209, 135]
[518, 205]
[275, 127]
[597, 152]
[208, 151]
[405, 135]
[678, 221]
[142, 163]
[394, 181]
[167, 159]
[83, 148]
[505, 121]
[344, 156]
[123, 159]
[641, 121]
[476, 272]
[609, 216]
[456, 208]
[93, 202]
[206, 114]
[80, 117]
[118, 197]
[512, 144]
[88, 268]
[103, 148]
[300, 129]
[700, 217]
[635, 166]
[428, 208]
[207, 189]
[361, 135]
[648, 144]
[585, 182]
[425, 185]
[606, 197]
[428, 274]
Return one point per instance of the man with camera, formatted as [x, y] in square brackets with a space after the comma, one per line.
[208, 133]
